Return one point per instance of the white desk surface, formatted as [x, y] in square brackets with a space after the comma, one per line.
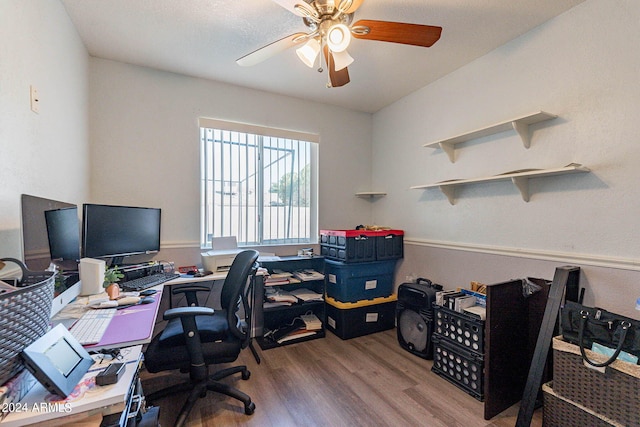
[87, 401]
[185, 278]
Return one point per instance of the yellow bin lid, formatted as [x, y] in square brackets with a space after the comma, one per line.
[361, 303]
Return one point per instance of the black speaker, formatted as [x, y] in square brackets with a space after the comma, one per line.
[414, 317]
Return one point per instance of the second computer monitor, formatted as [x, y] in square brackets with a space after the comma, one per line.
[63, 232]
[119, 231]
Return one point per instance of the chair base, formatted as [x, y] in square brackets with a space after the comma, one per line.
[199, 389]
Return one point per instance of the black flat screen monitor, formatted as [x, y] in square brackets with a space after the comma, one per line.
[119, 231]
[34, 231]
[63, 232]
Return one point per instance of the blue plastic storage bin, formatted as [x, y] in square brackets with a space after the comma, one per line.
[353, 282]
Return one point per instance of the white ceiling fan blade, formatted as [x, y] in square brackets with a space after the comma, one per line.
[271, 49]
[290, 5]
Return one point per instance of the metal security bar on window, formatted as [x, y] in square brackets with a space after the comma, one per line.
[260, 189]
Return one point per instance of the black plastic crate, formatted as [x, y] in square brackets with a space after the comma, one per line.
[461, 367]
[459, 328]
[390, 245]
[350, 320]
[361, 245]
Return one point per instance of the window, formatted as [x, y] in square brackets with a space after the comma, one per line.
[257, 184]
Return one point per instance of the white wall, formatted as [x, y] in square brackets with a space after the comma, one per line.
[41, 154]
[145, 145]
[581, 66]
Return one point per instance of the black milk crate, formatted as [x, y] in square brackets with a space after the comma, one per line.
[461, 367]
[459, 328]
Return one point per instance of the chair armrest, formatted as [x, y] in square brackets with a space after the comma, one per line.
[189, 288]
[191, 293]
[172, 313]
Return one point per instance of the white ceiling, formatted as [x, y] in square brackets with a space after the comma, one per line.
[203, 38]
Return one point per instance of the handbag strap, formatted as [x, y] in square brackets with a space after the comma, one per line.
[583, 321]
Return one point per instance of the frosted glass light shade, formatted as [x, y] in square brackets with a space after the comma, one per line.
[309, 52]
[338, 37]
[341, 60]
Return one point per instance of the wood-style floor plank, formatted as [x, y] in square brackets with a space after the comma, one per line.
[365, 381]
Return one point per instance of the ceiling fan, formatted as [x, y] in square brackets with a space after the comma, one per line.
[330, 31]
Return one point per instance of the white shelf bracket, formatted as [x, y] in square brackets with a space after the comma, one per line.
[523, 185]
[450, 149]
[523, 131]
[450, 192]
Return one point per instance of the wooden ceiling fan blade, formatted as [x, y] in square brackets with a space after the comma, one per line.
[271, 49]
[338, 78]
[397, 32]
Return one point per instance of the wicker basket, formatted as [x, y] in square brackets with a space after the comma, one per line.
[614, 393]
[561, 412]
[24, 316]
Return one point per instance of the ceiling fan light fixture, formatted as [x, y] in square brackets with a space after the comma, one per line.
[306, 11]
[309, 52]
[341, 60]
[338, 37]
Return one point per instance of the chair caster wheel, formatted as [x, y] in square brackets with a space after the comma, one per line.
[250, 408]
[246, 375]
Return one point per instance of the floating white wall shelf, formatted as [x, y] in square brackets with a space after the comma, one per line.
[519, 124]
[370, 194]
[520, 179]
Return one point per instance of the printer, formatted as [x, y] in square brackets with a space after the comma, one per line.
[222, 254]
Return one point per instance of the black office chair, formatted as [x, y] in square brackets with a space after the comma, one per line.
[196, 337]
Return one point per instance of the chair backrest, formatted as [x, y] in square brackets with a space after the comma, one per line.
[232, 294]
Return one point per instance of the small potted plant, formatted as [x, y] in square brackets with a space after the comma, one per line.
[111, 278]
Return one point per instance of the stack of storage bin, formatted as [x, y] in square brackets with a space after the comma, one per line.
[458, 350]
[580, 395]
[359, 270]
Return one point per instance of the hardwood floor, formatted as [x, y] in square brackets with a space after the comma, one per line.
[365, 381]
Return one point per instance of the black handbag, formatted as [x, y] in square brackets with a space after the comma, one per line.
[583, 326]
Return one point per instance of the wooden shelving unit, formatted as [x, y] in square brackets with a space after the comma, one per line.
[519, 178]
[519, 124]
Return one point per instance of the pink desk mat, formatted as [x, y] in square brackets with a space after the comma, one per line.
[130, 325]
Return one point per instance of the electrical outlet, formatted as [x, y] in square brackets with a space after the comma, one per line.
[35, 99]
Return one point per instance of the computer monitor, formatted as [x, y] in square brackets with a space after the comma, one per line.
[63, 232]
[119, 231]
[36, 254]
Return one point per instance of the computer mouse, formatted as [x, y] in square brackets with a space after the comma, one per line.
[148, 292]
[147, 300]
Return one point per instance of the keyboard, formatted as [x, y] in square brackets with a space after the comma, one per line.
[142, 283]
[90, 328]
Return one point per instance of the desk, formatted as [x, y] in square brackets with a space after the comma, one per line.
[88, 402]
[120, 332]
[129, 329]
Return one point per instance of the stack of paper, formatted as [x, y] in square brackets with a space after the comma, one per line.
[311, 321]
[305, 294]
[308, 275]
[280, 295]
